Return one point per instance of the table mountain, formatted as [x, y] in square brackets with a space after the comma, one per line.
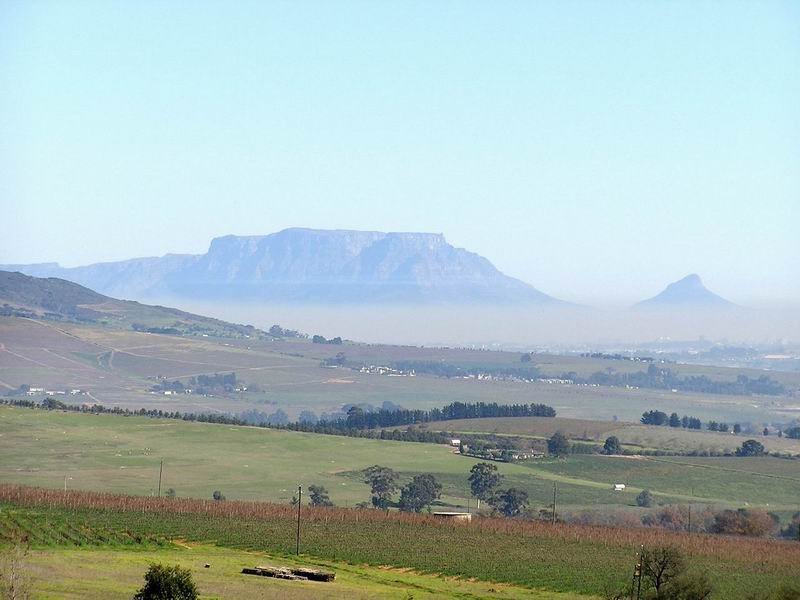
[313, 266]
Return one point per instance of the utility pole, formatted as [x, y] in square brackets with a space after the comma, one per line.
[639, 587]
[160, 470]
[299, 503]
[637, 574]
[554, 503]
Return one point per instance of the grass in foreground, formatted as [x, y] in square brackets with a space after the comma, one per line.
[110, 573]
[559, 558]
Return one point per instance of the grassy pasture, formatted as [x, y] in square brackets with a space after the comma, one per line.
[650, 437]
[115, 573]
[122, 454]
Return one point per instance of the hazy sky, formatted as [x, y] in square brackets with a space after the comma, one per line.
[597, 150]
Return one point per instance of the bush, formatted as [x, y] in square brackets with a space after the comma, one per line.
[612, 445]
[755, 523]
[644, 499]
[750, 448]
[167, 583]
[558, 445]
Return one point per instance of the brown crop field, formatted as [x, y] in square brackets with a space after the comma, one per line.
[559, 557]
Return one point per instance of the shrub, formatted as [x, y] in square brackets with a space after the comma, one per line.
[645, 499]
[558, 445]
[167, 583]
[612, 446]
[750, 448]
[756, 523]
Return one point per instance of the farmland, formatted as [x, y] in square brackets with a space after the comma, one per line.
[559, 558]
[117, 367]
[635, 435]
[122, 454]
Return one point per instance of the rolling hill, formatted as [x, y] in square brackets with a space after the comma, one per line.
[56, 299]
[310, 266]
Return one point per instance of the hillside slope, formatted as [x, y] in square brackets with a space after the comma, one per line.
[56, 299]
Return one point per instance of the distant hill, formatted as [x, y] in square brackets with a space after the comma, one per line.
[687, 292]
[308, 265]
[60, 300]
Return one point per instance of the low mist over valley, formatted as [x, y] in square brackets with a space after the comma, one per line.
[412, 288]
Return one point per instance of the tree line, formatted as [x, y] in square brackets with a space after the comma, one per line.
[654, 377]
[665, 379]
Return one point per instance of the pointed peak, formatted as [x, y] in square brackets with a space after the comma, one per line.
[688, 291]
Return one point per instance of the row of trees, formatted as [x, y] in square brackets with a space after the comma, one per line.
[321, 339]
[660, 418]
[665, 379]
[358, 418]
[449, 370]
[748, 448]
[657, 417]
[423, 490]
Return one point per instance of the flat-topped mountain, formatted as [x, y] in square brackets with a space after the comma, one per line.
[687, 292]
[56, 299]
[308, 265]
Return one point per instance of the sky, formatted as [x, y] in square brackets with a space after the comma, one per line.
[597, 150]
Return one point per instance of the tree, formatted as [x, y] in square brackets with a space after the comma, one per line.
[674, 420]
[644, 499]
[660, 566]
[355, 418]
[383, 484]
[558, 444]
[170, 493]
[510, 502]
[766, 431]
[420, 492]
[167, 583]
[218, 496]
[654, 417]
[793, 433]
[526, 357]
[14, 580]
[318, 496]
[750, 448]
[737, 428]
[483, 479]
[612, 445]
[687, 587]
[664, 576]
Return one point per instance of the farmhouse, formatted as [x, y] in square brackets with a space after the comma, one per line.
[619, 487]
[454, 516]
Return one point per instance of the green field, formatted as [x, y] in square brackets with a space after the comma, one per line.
[122, 454]
[636, 436]
[111, 573]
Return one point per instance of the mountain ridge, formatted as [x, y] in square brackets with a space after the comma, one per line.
[310, 265]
